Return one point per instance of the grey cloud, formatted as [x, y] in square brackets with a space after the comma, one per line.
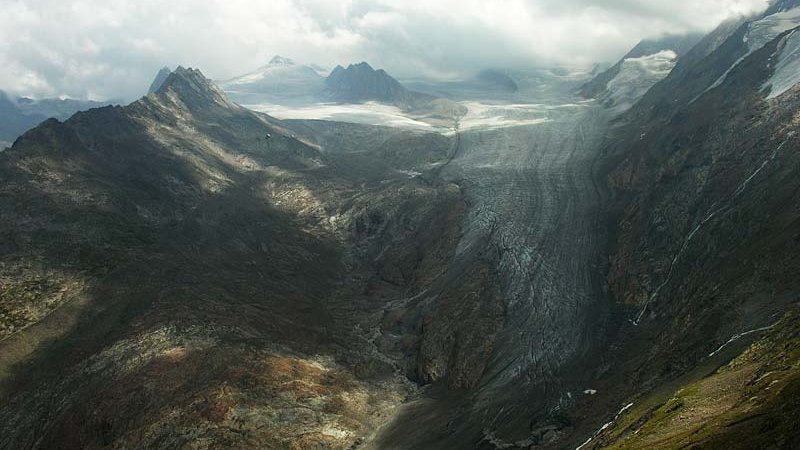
[112, 49]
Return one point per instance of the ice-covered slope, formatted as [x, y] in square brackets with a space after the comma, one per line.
[628, 80]
[280, 81]
[787, 67]
[636, 76]
[760, 32]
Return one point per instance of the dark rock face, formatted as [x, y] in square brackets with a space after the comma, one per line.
[360, 83]
[700, 184]
[778, 6]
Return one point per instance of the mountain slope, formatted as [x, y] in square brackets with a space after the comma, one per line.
[751, 402]
[361, 83]
[704, 169]
[172, 274]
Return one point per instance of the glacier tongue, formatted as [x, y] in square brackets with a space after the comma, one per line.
[787, 68]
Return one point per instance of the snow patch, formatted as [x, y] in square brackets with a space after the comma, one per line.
[736, 337]
[605, 426]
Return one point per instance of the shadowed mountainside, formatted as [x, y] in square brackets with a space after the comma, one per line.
[183, 269]
[705, 173]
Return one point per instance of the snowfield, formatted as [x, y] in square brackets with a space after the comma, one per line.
[370, 113]
[479, 115]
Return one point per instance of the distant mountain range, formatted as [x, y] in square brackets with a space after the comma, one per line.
[19, 114]
[286, 82]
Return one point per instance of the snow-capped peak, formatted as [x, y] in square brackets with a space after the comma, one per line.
[278, 60]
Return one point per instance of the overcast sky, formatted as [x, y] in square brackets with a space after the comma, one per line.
[103, 49]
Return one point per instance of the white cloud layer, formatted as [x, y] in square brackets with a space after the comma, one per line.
[103, 49]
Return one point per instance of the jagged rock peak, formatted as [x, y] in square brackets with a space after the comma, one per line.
[191, 86]
[362, 67]
[160, 78]
[360, 82]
